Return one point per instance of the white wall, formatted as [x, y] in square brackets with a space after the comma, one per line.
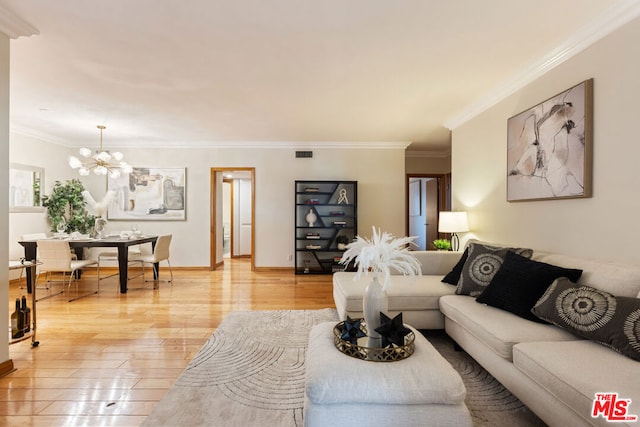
[427, 163]
[4, 193]
[604, 226]
[379, 172]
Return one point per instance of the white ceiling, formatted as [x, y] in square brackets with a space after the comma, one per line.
[224, 72]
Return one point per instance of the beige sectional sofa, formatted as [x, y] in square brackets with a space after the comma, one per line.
[551, 370]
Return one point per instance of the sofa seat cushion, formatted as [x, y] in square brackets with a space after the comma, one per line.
[498, 329]
[404, 292]
[573, 372]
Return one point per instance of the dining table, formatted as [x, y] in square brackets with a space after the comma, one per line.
[122, 243]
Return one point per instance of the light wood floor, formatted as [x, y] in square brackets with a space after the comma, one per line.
[107, 359]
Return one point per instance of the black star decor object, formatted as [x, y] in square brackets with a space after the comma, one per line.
[351, 330]
[393, 330]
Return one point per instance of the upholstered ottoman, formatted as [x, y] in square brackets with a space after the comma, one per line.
[340, 390]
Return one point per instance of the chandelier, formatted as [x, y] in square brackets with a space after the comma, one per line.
[101, 163]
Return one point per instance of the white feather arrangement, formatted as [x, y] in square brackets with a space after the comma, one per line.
[98, 208]
[382, 253]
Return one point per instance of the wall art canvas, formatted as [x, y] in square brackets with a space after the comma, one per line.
[549, 147]
[149, 194]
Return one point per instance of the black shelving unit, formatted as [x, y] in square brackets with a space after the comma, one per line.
[324, 210]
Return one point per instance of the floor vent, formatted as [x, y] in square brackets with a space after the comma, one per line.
[304, 154]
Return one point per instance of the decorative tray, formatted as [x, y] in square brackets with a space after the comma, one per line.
[366, 348]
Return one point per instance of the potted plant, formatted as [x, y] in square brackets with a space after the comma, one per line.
[442, 244]
[66, 206]
[342, 242]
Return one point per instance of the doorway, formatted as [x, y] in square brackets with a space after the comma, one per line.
[427, 195]
[232, 222]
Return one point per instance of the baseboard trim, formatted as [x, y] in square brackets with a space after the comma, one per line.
[6, 367]
[278, 269]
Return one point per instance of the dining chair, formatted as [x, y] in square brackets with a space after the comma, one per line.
[56, 257]
[111, 255]
[160, 253]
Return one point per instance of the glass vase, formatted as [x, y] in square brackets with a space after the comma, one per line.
[374, 302]
[99, 227]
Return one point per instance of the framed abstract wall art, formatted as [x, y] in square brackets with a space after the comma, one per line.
[549, 147]
[148, 194]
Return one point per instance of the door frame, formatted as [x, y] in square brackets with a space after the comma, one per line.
[214, 234]
[444, 194]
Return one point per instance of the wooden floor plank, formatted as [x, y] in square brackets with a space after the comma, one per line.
[107, 359]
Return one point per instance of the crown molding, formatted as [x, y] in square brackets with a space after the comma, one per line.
[31, 133]
[606, 23]
[334, 145]
[14, 26]
[427, 154]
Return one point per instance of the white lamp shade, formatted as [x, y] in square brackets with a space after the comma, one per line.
[75, 162]
[103, 157]
[453, 222]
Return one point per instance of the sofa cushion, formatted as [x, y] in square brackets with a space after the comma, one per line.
[573, 372]
[483, 262]
[498, 329]
[520, 282]
[617, 279]
[434, 262]
[593, 314]
[404, 292]
[453, 276]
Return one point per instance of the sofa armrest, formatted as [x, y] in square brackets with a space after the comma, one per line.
[436, 262]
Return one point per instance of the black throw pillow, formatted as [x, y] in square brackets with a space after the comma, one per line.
[520, 282]
[453, 276]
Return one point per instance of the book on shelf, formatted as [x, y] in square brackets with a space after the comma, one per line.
[340, 223]
[311, 189]
[336, 213]
[312, 201]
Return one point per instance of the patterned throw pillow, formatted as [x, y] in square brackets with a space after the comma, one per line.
[483, 262]
[593, 314]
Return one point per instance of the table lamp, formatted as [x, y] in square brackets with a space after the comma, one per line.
[453, 222]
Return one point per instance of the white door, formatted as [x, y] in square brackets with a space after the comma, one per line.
[242, 220]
